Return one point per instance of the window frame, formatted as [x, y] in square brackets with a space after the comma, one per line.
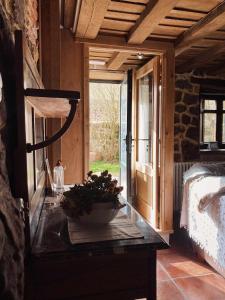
[219, 111]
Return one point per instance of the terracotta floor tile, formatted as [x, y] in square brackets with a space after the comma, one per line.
[175, 250]
[161, 274]
[179, 265]
[207, 287]
[165, 251]
[166, 290]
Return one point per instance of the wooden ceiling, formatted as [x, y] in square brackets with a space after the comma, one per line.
[195, 27]
[114, 63]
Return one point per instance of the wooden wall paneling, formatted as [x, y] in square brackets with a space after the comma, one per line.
[72, 142]
[50, 65]
[50, 43]
[167, 141]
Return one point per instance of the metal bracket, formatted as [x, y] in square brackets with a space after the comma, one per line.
[71, 96]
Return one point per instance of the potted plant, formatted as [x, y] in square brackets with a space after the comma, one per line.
[94, 201]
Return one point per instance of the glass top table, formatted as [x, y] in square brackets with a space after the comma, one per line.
[122, 269]
[52, 234]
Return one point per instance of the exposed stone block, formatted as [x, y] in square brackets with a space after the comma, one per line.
[11, 222]
[177, 157]
[194, 109]
[177, 147]
[180, 107]
[190, 151]
[179, 129]
[178, 96]
[196, 89]
[176, 118]
[195, 121]
[186, 119]
[193, 133]
[190, 99]
[183, 84]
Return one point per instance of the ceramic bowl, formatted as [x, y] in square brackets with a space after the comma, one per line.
[101, 213]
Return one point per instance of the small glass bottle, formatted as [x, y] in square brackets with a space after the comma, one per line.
[58, 175]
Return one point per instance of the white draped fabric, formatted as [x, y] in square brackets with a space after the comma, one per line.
[203, 212]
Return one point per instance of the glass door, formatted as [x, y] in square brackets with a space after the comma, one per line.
[147, 142]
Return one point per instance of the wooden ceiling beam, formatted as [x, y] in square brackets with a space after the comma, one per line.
[106, 75]
[154, 12]
[90, 19]
[203, 58]
[116, 61]
[120, 44]
[213, 21]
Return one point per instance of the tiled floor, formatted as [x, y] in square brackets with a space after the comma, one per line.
[181, 276]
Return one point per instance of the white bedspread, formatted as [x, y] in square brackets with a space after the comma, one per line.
[203, 214]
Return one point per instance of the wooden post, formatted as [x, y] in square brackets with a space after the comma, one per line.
[50, 64]
[75, 76]
[167, 141]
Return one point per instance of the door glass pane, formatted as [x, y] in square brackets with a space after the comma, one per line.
[223, 137]
[123, 133]
[209, 127]
[145, 119]
[210, 104]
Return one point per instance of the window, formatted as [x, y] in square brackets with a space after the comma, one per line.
[212, 122]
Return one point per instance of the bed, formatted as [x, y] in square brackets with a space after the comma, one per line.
[203, 211]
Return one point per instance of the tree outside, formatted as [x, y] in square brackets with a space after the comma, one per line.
[104, 127]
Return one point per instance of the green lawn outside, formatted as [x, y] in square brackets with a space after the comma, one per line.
[99, 166]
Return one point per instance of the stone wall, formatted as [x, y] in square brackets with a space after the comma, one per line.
[11, 222]
[23, 14]
[186, 119]
[18, 14]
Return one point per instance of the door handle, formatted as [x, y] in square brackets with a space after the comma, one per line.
[129, 142]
